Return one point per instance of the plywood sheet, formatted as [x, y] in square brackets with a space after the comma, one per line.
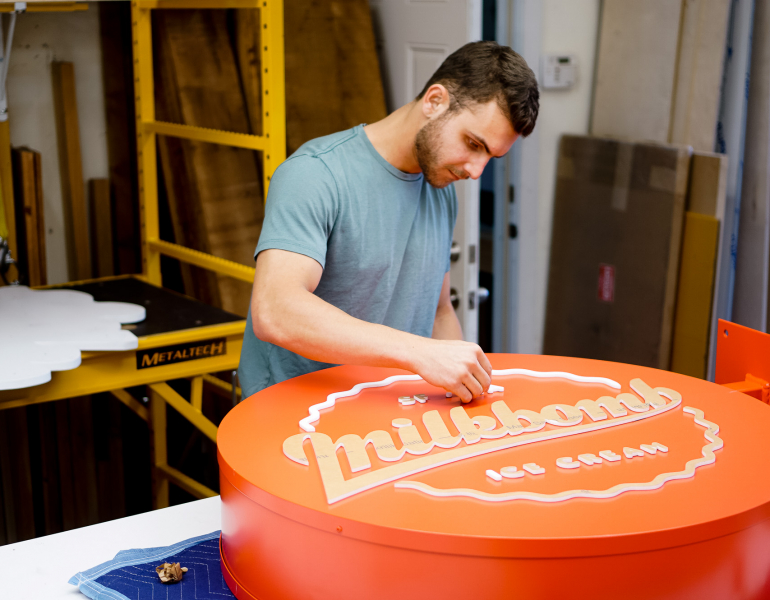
[16, 475]
[689, 354]
[30, 225]
[333, 77]
[71, 168]
[635, 69]
[101, 227]
[708, 184]
[617, 228]
[699, 73]
[117, 73]
[699, 267]
[215, 192]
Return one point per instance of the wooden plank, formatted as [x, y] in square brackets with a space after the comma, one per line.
[66, 481]
[696, 292]
[249, 57]
[689, 354]
[752, 261]
[6, 185]
[71, 168]
[215, 192]
[116, 475]
[635, 70]
[8, 533]
[41, 232]
[182, 197]
[181, 189]
[158, 450]
[109, 457]
[52, 501]
[699, 73]
[138, 469]
[607, 299]
[101, 227]
[30, 225]
[17, 476]
[333, 77]
[83, 463]
[117, 73]
[708, 184]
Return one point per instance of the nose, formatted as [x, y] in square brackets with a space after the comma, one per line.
[475, 168]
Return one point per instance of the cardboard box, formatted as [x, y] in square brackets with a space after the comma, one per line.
[617, 233]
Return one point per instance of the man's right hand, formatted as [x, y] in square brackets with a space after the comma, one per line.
[456, 366]
[285, 312]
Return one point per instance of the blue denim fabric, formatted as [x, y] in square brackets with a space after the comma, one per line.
[131, 574]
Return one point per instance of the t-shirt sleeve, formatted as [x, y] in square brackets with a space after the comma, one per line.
[452, 203]
[301, 209]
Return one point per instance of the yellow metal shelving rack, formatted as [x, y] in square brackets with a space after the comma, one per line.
[114, 371]
[272, 144]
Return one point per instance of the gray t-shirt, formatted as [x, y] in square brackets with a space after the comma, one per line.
[381, 235]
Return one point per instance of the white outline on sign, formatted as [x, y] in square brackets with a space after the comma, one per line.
[715, 443]
[314, 414]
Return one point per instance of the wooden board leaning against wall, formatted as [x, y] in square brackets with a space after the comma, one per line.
[659, 67]
[214, 192]
[698, 269]
[207, 74]
[617, 231]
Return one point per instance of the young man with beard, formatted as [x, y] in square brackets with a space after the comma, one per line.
[353, 260]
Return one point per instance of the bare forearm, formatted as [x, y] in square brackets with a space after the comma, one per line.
[307, 325]
[447, 325]
[285, 312]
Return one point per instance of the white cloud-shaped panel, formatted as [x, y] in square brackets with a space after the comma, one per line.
[45, 330]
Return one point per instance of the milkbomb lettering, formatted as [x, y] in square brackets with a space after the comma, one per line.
[180, 353]
[476, 435]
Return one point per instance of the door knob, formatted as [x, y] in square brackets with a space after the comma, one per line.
[454, 298]
[454, 252]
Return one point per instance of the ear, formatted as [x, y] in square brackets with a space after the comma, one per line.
[435, 101]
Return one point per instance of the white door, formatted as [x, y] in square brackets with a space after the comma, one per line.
[413, 38]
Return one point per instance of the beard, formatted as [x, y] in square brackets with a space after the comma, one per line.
[427, 146]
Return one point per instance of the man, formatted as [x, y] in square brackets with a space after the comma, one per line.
[353, 260]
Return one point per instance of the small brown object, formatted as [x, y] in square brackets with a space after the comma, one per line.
[170, 573]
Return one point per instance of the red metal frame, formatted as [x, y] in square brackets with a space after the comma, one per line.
[743, 360]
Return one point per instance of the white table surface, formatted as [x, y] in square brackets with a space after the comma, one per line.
[40, 568]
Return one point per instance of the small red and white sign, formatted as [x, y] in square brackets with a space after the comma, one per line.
[606, 291]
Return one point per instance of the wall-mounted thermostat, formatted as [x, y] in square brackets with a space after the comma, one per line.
[559, 71]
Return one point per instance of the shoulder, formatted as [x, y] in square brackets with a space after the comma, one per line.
[314, 159]
[328, 144]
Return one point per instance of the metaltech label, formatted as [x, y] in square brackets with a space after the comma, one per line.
[177, 353]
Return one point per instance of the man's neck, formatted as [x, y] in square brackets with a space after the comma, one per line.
[393, 137]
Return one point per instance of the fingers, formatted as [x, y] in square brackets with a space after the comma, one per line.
[462, 392]
[459, 367]
[473, 386]
[482, 377]
[477, 377]
[486, 365]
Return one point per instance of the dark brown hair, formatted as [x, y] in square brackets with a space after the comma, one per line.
[483, 71]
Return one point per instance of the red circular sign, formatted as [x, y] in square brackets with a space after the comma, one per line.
[573, 460]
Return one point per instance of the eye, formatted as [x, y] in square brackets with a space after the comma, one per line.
[473, 145]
